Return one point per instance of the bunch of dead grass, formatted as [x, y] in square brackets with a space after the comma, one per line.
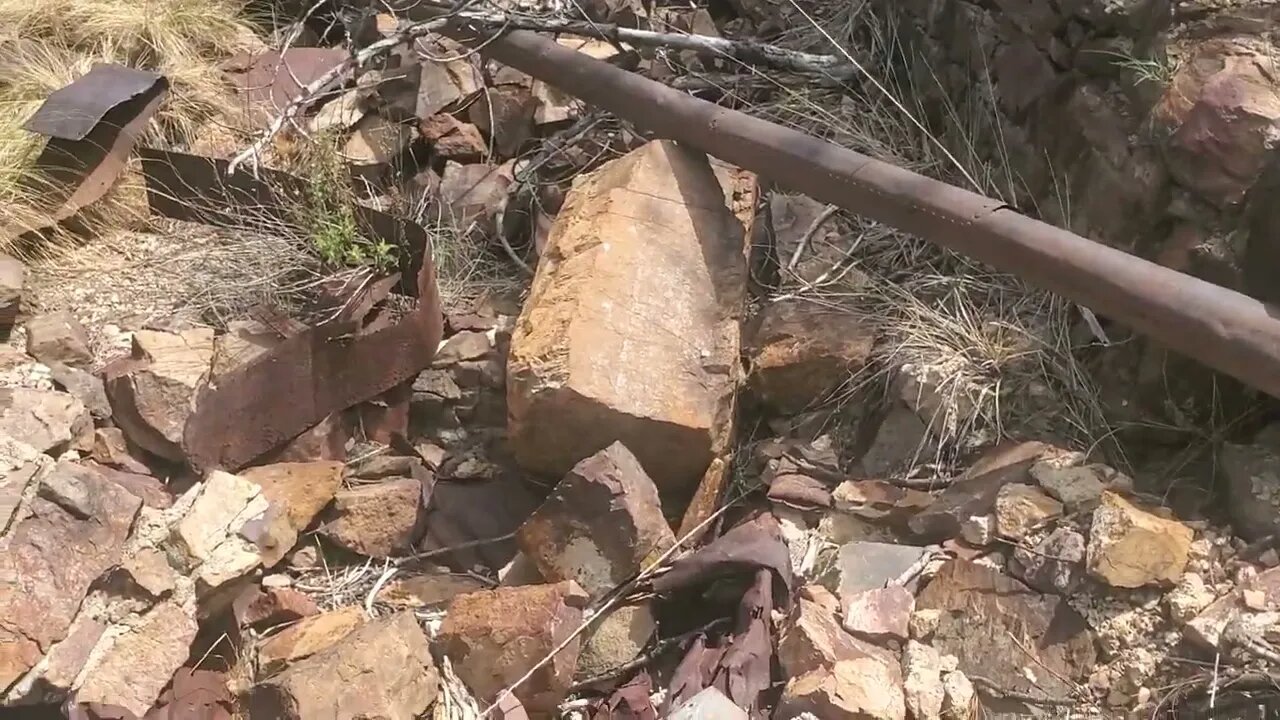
[46, 44]
[1002, 354]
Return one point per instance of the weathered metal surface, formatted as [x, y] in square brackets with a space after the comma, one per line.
[261, 405]
[1225, 330]
[92, 125]
[269, 81]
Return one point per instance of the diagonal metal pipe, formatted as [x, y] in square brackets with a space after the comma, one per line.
[1226, 330]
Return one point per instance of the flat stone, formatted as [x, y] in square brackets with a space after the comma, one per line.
[243, 341]
[474, 193]
[1078, 488]
[45, 420]
[833, 674]
[1020, 509]
[1252, 479]
[615, 640]
[602, 524]
[381, 670]
[864, 565]
[85, 386]
[58, 337]
[801, 352]
[148, 573]
[1206, 629]
[710, 704]
[310, 635]
[375, 140]
[879, 615]
[153, 392]
[378, 520]
[974, 492]
[12, 280]
[461, 346]
[433, 590]
[1000, 629]
[296, 492]
[265, 608]
[1130, 548]
[212, 533]
[20, 466]
[75, 531]
[495, 636]
[111, 448]
[151, 490]
[134, 666]
[922, 681]
[57, 673]
[901, 440]
[452, 139]
[1055, 564]
[631, 334]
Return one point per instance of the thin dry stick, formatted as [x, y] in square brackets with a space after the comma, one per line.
[617, 598]
[821, 220]
[446, 550]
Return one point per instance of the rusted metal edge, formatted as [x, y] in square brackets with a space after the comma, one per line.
[93, 124]
[1226, 330]
[263, 404]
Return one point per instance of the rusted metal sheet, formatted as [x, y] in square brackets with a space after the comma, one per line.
[269, 81]
[92, 125]
[1226, 330]
[318, 372]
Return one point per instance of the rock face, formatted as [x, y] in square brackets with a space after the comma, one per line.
[801, 352]
[495, 636]
[212, 534]
[295, 493]
[1131, 548]
[833, 674]
[1022, 508]
[58, 337]
[1252, 475]
[383, 670]
[76, 530]
[135, 666]
[377, 520]
[44, 420]
[600, 525]
[991, 622]
[631, 333]
[152, 393]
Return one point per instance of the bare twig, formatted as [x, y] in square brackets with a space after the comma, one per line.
[645, 658]
[818, 222]
[990, 687]
[452, 548]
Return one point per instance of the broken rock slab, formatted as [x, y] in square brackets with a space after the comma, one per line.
[58, 337]
[1000, 629]
[865, 565]
[45, 420]
[833, 674]
[495, 636]
[1020, 509]
[76, 529]
[84, 385]
[212, 536]
[602, 524]
[974, 493]
[378, 520]
[296, 492]
[631, 330]
[152, 393]
[1078, 488]
[1055, 564]
[1129, 547]
[1207, 627]
[801, 353]
[263, 608]
[381, 670]
[922, 681]
[879, 615]
[310, 635]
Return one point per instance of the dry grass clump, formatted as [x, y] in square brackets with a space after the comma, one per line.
[46, 44]
[1001, 353]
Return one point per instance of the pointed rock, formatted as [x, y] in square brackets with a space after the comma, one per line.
[1130, 548]
[879, 615]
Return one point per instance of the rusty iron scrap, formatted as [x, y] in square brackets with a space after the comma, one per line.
[313, 374]
[1226, 330]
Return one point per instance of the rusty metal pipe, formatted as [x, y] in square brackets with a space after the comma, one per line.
[1226, 330]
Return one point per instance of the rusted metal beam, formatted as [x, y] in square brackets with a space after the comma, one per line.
[1226, 330]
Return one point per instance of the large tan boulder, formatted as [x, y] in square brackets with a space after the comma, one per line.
[631, 331]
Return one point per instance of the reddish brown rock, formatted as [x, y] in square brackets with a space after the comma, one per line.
[58, 337]
[111, 448]
[974, 492]
[1129, 547]
[84, 385]
[474, 193]
[76, 529]
[264, 608]
[151, 490]
[832, 673]
[1000, 629]
[631, 334]
[431, 590]
[802, 352]
[880, 614]
[152, 393]
[602, 524]
[378, 520]
[505, 114]
[382, 670]
[452, 139]
[326, 440]
[295, 493]
[495, 636]
[309, 636]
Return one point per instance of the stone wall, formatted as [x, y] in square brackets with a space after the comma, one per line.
[1147, 124]
[1151, 125]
